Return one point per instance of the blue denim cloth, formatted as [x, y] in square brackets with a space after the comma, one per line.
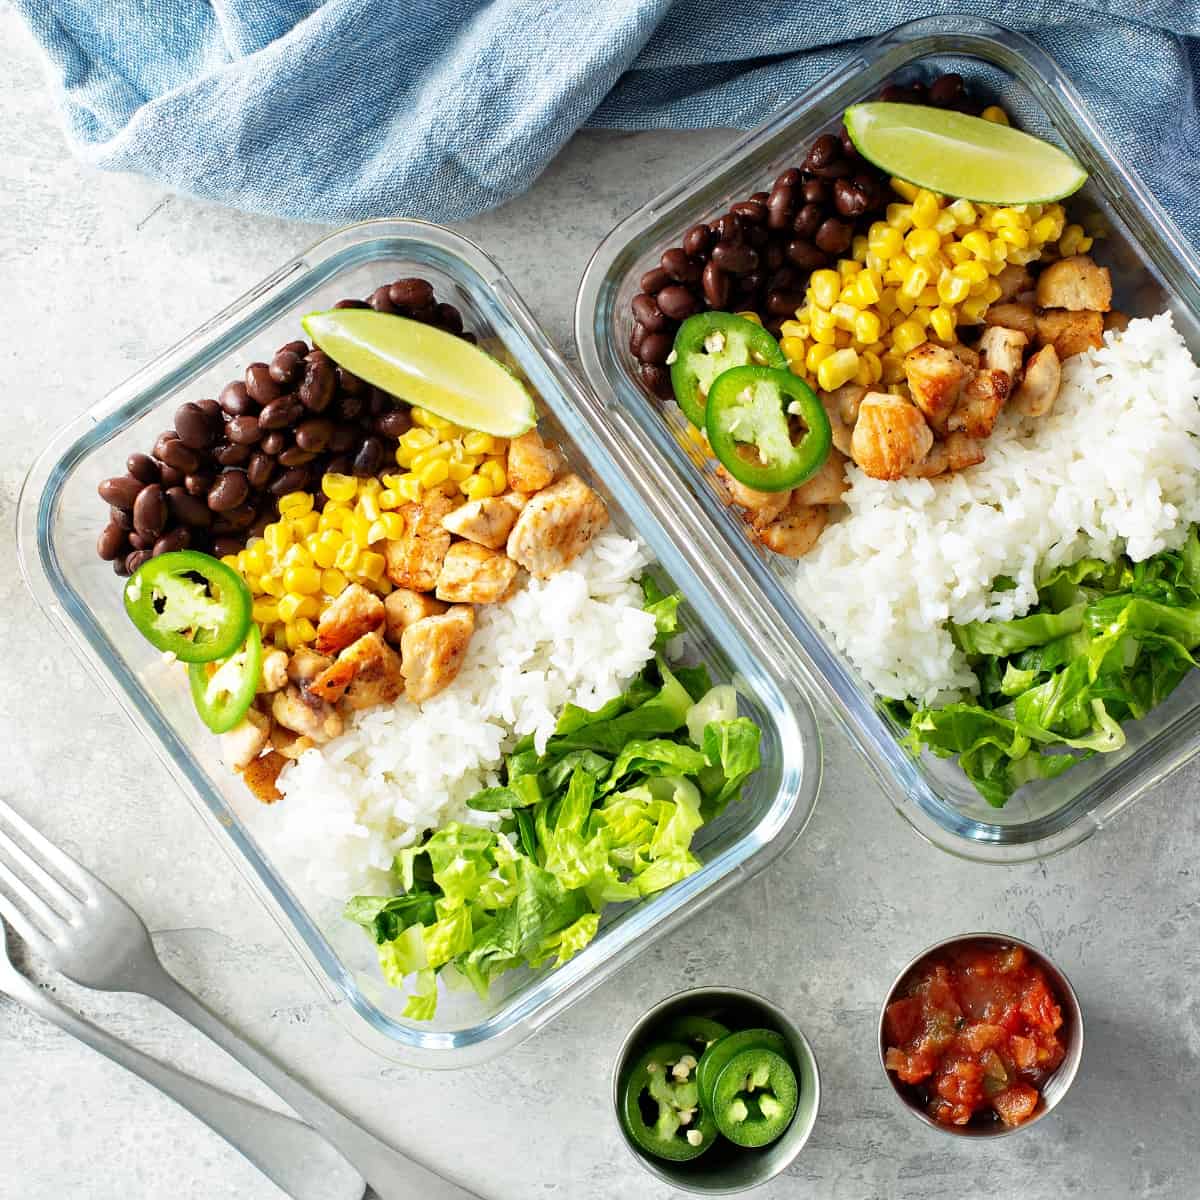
[336, 110]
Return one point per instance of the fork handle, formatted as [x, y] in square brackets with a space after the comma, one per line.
[391, 1174]
[286, 1151]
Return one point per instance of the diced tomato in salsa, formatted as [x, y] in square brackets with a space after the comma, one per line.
[977, 1028]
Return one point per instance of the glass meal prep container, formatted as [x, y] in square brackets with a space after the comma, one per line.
[60, 516]
[1153, 270]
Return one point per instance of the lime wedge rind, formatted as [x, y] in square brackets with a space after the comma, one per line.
[962, 156]
[426, 367]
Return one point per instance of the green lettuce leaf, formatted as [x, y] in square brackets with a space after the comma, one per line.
[1007, 637]
[717, 704]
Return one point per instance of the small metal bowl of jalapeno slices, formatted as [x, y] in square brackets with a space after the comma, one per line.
[715, 1090]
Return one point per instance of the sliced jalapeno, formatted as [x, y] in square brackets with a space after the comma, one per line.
[660, 1104]
[755, 416]
[223, 692]
[190, 605]
[717, 1057]
[755, 1098]
[709, 344]
[697, 1032]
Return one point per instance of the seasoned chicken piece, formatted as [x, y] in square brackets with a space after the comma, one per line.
[982, 399]
[890, 436]
[432, 651]
[956, 453]
[827, 486]
[1076, 284]
[532, 465]
[761, 507]
[555, 527]
[795, 532]
[305, 665]
[474, 574]
[1013, 315]
[966, 355]
[244, 742]
[1116, 320]
[1070, 333]
[1013, 280]
[274, 671]
[1039, 389]
[414, 559]
[404, 607]
[840, 431]
[935, 378]
[1002, 349]
[364, 675]
[289, 743]
[487, 522]
[355, 612]
[261, 776]
[306, 714]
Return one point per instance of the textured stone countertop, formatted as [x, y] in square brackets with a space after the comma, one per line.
[99, 273]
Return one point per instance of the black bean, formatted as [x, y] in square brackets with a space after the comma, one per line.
[121, 491]
[345, 437]
[752, 211]
[681, 266]
[112, 541]
[677, 302]
[752, 281]
[293, 480]
[636, 334]
[259, 470]
[139, 541]
[244, 431]
[772, 258]
[849, 150]
[369, 458]
[780, 207]
[784, 303]
[449, 318]
[696, 240]
[240, 517]
[894, 93]
[198, 483]
[235, 400]
[135, 560]
[120, 516]
[946, 90]
[716, 286]
[230, 490]
[229, 454]
[316, 389]
[834, 236]
[835, 170]
[120, 569]
[654, 280]
[734, 257]
[177, 539]
[313, 435]
[285, 367]
[785, 279]
[188, 509]
[340, 464]
[757, 236]
[805, 255]
[150, 511]
[808, 221]
[655, 348]
[261, 388]
[171, 476]
[822, 152]
[392, 424]
[657, 379]
[729, 228]
[381, 301]
[229, 545]
[790, 178]
[349, 383]
[646, 310]
[411, 293]
[426, 315]
[143, 467]
[275, 442]
[294, 456]
[815, 191]
[850, 198]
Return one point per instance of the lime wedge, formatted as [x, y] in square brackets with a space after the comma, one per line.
[425, 367]
[961, 156]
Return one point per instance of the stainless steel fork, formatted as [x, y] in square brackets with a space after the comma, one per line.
[83, 929]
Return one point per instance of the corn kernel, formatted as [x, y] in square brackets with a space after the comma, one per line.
[1084, 245]
[289, 606]
[963, 211]
[326, 548]
[859, 248]
[750, 316]
[823, 327]
[297, 555]
[479, 443]
[265, 612]
[825, 286]
[925, 209]
[278, 537]
[922, 241]
[887, 302]
[867, 327]
[792, 347]
[891, 368]
[458, 471]
[848, 268]
[843, 315]
[333, 582]
[837, 369]
[995, 114]
[493, 471]
[409, 487]
[272, 584]
[371, 565]
[874, 366]
[945, 224]
[1042, 230]
[992, 292]
[477, 488]
[347, 556]
[1068, 244]
[952, 288]
[339, 487]
[971, 311]
[368, 506]
[914, 285]
[907, 336]
[816, 355]
[902, 187]
[303, 526]
[957, 253]
[942, 322]
[900, 217]
[280, 637]
[973, 272]
[417, 440]
[304, 580]
[231, 561]
[295, 504]
[978, 243]
[433, 473]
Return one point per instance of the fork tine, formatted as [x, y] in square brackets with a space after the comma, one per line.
[84, 881]
[18, 919]
[52, 890]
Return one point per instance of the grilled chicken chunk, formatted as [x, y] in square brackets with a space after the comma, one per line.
[1013, 315]
[487, 522]
[244, 742]
[261, 776]
[474, 574]
[1070, 333]
[982, 399]
[404, 607]
[956, 453]
[289, 743]
[274, 674]
[762, 507]
[827, 486]
[555, 527]
[532, 465]
[1013, 280]
[1039, 389]
[414, 560]
[365, 674]
[1002, 349]
[966, 355]
[935, 379]
[305, 665]
[1076, 284]
[840, 431]
[890, 436]
[432, 651]
[306, 714]
[355, 612]
[1115, 319]
[796, 530]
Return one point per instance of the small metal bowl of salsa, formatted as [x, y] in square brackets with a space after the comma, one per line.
[980, 1035]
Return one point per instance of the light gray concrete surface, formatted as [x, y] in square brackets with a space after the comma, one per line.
[98, 273]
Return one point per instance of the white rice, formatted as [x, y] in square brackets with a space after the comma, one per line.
[397, 771]
[1113, 468]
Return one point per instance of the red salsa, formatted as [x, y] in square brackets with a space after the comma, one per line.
[976, 1032]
